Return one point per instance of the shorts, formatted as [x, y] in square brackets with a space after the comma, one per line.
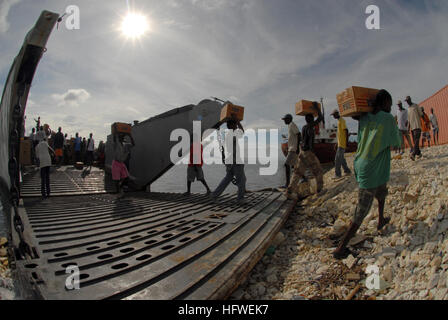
[291, 158]
[58, 152]
[435, 130]
[426, 135]
[119, 171]
[365, 200]
[195, 172]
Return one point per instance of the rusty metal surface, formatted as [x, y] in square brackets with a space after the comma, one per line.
[148, 245]
[439, 102]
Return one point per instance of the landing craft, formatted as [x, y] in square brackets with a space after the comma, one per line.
[143, 246]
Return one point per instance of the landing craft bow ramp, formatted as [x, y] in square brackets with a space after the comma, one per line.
[140, 246]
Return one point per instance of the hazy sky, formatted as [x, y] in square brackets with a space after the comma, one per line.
[262, 54]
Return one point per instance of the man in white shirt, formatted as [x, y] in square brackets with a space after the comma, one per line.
[293, 146]
[43, 154]
[402, 118]
[414, 115]
[435, 126]
[90, 149]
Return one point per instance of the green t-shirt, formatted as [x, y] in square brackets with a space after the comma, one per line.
[377, 133]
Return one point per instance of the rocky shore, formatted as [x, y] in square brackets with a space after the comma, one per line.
[411, 253]
[6, 282]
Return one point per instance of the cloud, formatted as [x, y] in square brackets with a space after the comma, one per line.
[264, 55]
[73, 97]
[5, 6]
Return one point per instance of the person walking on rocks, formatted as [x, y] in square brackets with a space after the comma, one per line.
[435, 126]
[342, 135]
[415, 114]
[403, 124]
[307, 159]
[378, 132]
[426, 128]
[293, 146]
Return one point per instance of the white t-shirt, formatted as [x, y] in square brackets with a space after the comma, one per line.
[43, 154]
[414, 116]
[402, 117]
[91, 146]
[434, 122]
[293, 131]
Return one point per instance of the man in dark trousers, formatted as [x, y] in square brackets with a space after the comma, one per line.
[59, 146]
[378, 132]
[307, 159]
[342, 135]
[234, 164]
[415, 115]
[293, 146]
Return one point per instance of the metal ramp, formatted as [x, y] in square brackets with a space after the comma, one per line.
[147, 246]
[67, 181]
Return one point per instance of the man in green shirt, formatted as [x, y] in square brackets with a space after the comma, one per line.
[378, 132]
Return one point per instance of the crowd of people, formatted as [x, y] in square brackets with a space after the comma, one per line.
[415, 123]
[49, 147]
[378, 133]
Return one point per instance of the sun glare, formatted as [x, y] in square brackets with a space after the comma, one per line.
[134, 25]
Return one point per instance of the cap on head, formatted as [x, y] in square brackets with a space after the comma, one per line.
[408, 98]
[287, 116]
[335, 111]
[399, 102]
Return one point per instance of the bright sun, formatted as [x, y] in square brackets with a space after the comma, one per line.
[134, 25]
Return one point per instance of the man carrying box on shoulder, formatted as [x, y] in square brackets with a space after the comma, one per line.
[307, 159]
[378, 132]
[342, 145]
[293, 146]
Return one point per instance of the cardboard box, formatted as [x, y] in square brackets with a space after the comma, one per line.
[356, 100]
[25, 152]
[119, 127]
[304, 107]
[79, 165]
[232, 111]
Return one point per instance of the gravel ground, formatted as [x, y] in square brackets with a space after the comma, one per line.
[411, 253]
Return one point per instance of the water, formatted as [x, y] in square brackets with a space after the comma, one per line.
[175, 180]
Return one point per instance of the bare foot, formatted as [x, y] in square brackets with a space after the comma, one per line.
[382, 223]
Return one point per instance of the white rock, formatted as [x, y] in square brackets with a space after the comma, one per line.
[440, 294]
[423, 293]
[279, 238]
[272, 278]
[433, 281]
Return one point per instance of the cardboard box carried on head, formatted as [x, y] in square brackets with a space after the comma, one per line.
[119, 127]
[354, 101]
[231, 111]
[304, 107]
